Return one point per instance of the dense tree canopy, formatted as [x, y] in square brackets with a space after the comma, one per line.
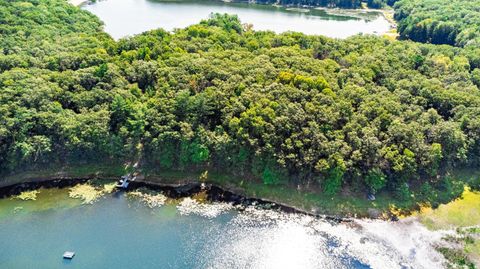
[454, 22]
[380, 3]
[364, 111]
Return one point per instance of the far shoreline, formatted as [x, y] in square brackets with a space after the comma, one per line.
[386, 12]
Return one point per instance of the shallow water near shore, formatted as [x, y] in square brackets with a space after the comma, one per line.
[123, 231]
[129, 17]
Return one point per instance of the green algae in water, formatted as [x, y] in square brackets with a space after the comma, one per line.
[89, 193]
[27, 195]
[45, 199]
[109, 187]
[149, 198]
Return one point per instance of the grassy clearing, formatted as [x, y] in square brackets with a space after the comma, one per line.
[463, 216]
[462, 212]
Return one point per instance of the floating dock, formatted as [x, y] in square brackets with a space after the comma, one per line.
[68, 255]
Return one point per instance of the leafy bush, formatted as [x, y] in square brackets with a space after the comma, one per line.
[375, 179]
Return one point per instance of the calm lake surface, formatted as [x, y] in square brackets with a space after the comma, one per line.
[129, 17]
[121, 231]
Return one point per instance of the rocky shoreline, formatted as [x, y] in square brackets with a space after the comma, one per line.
[214, 194]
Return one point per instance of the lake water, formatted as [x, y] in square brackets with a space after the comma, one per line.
[129, 17]
[121, 231]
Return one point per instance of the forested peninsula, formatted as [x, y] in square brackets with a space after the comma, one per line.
[363, 114]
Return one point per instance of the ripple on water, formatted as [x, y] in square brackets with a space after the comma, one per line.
[257, 238]
[211, 210]
[216, 235]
